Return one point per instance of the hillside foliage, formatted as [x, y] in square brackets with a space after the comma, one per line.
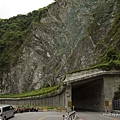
[14, 33]
[117, 94]
[110, 43]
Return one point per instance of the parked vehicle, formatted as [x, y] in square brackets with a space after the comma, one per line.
[6, 111]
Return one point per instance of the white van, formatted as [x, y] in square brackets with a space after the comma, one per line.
[6, 111]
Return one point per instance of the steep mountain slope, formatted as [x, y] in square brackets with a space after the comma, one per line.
[70, 35]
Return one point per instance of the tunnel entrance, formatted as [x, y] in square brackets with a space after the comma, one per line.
[88, 95]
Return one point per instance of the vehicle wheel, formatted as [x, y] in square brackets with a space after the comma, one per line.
[4, 118]
[13, 114]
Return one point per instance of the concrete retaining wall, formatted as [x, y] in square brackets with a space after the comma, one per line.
[56, 100]
[111, 84]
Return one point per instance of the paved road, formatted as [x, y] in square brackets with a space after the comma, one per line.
[58, 116]
[38, 116]
[97, 116]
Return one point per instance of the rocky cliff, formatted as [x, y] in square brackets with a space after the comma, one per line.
[74, 34]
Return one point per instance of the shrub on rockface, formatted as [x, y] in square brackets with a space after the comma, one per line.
[117, 94]
[14, 33]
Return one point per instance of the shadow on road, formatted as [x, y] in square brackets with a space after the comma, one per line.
[84, 110]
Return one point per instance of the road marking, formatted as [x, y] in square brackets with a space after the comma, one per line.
[108, 117]
[43, 117]
[55, 116]
[79, 117]
[50, 116]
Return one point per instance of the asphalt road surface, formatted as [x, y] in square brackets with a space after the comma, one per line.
[85, 115]
[39, 116]
[59, 116]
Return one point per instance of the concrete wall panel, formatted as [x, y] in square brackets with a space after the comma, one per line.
[56, 100]
[111, 84]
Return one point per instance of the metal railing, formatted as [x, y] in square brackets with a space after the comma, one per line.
[116, 104]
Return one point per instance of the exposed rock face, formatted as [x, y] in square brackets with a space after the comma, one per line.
[64, 41]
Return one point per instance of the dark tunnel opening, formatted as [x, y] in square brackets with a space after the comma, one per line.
[88, 95]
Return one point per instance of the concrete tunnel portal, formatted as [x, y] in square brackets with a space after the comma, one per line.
[88, 95]
[91, 90]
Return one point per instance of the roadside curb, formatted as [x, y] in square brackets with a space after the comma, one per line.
[116, 111]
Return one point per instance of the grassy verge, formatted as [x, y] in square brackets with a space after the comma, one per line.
[43, 91]
[112, 64]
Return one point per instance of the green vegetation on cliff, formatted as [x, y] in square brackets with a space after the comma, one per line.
[117, 94]
[110, 43]
[106, 39]
[14, 33]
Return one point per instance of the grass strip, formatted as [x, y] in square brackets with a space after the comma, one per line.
[42, 91]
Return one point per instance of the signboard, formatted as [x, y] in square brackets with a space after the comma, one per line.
[69, 104]
[106, 103]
